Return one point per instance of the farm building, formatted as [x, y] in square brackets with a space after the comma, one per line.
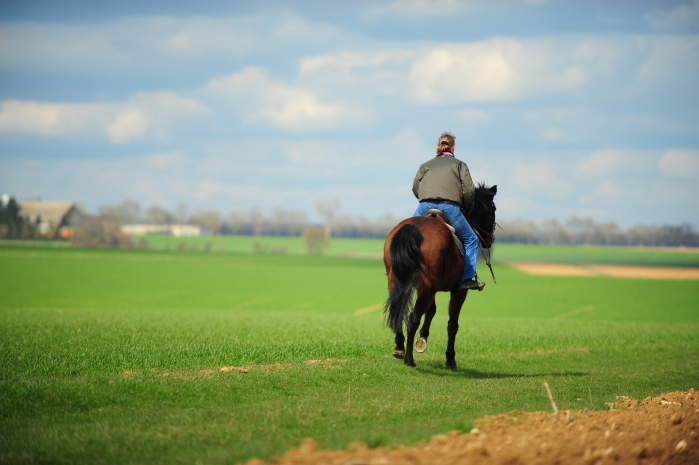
[176, 230]
[52, 218]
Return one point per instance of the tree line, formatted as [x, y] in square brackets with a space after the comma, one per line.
[585, 231]
[277, 222]
[281, 222]
[102, 229]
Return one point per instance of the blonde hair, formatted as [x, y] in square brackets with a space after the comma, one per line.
[446, 142]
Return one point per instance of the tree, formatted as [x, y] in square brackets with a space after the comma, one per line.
[124, 213]
[182, 213]
[208, 219]
[101, 233]
[314, 240]
[327, 208]
[11, 223]
[158, 215]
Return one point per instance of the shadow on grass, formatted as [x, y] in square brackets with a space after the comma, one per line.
[441, 370]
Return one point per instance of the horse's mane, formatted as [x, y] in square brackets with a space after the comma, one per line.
[483, 192]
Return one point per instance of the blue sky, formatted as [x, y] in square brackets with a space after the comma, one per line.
[573, 108]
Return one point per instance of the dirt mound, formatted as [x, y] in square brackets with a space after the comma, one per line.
[655, 430]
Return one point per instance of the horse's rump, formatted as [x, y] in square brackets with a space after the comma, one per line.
[441, 263]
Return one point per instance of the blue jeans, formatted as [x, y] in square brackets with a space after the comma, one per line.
[463, 231]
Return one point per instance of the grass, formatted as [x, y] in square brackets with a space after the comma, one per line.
[259, 244]
[682, 257]
[374, 248]
[114, 356]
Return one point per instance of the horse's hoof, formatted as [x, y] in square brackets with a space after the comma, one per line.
[411, 364]
[451, 366]
[420, 344]
[399, 353]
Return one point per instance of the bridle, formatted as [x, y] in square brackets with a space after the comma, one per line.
[484, 245]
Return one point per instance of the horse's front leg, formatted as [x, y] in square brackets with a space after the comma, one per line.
[455, 303]
[421, 343]
[423, 303]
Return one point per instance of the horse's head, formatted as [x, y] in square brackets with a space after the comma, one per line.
[482, 217]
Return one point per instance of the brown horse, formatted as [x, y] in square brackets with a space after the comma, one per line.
[420, 253]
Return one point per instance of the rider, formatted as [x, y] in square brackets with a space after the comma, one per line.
[445, 183]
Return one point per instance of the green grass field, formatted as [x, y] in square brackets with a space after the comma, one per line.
[114, 356]
[374, 248]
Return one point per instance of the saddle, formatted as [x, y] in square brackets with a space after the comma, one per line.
[439, 214]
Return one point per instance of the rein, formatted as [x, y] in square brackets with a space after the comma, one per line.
[483, 249]
[480, 232]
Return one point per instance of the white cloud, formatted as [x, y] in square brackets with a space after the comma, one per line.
[680, 163]
[672, 60]
[49, 119]
[120, 121]
[357, 75]
[164, 160]
[682, 18]
[499, 69]
[555, 134]
[144, 44]
[474, 115]
[539, 176]
[349, 60]
[128, 124]
[50, 46]
[553, 114]
[421, 8]
[608, 161]
[607, 189]
[296, 109]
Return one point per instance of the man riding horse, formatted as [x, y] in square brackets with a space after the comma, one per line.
[444, 183]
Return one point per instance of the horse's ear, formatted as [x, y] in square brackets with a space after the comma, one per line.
[494, 189]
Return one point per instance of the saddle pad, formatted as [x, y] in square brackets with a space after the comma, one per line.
[459, 245]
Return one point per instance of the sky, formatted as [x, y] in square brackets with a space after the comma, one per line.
[572, 108]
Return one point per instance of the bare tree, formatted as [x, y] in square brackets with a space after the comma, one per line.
[181, 213]
[100, 233]
[126, 212]
[159, 215]
[209, 220]
[327, 208]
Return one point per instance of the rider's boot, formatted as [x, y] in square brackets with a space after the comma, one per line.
[471, 284]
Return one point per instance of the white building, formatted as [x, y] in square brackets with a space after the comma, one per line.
[176, 230]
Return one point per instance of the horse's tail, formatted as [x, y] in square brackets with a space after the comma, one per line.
[406, 263]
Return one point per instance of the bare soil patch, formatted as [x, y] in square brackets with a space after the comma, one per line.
[616, 271]
[646, 272]
[655, 430]
[551, 269]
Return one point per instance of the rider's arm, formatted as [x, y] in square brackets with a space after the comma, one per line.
[416, 181]
[468, 190]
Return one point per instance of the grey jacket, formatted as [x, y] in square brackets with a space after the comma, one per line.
[445, 178]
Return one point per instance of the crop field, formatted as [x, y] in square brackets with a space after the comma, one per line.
[115, 356]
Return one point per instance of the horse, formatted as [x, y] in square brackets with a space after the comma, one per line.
[420, 253]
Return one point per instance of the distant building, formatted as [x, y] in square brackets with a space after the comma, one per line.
[176, 230]
[52, 218]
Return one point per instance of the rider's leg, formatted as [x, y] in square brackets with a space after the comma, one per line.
[468, 238]
[422, 208]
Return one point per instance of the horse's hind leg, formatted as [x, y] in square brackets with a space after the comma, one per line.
[455, 304]
[421, 343]
[399, 351]
[423, 303]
